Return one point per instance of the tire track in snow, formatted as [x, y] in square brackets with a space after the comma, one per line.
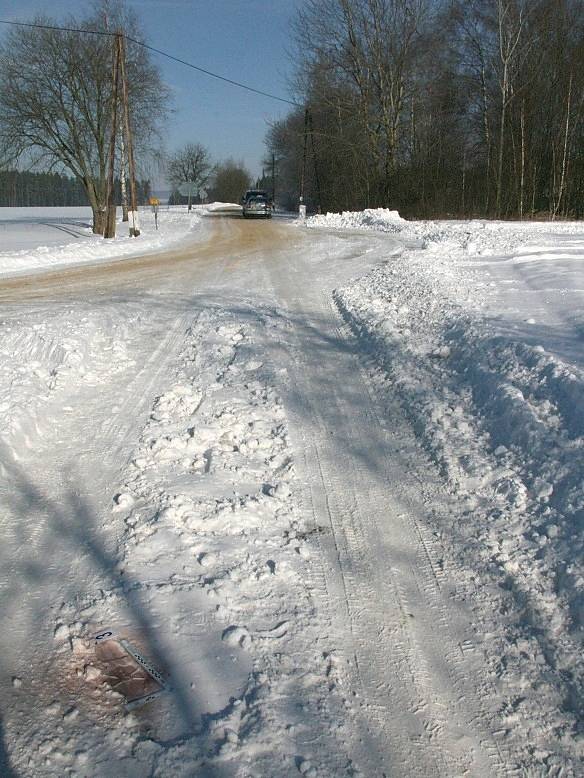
[357, 593]
[424, 672]
[375, 612]
[138, 394]
[444, 683]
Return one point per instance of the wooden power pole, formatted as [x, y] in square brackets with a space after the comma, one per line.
[120, 92]
[315, 161]
[123, 186]
[134, 226]
[109, 230]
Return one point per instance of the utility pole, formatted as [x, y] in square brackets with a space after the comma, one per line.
[316, 176]
[134, 226]
[109, 230]
[303, 174]
[273, 178]
[123, 180]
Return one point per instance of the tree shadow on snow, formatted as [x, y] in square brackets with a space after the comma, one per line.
[73, 522]
[5, 769]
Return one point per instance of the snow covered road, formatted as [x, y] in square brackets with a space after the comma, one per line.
[202, 452]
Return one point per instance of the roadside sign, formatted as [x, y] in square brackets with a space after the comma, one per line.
[189, 189]
[155, 202]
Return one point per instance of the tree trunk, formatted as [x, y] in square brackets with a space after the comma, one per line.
[97, 206]
[533, 189]
[522, 171]
[558, 201]
[463, 194]
[502, 127]
[98, 221]
[387, 170]
[487, 140]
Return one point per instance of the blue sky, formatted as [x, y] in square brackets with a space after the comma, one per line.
[246, 40]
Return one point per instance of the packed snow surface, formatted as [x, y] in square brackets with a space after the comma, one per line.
[329, 481]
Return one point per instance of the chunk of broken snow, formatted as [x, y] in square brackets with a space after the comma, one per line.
[61, 632]
[122, 502]
[91, 673]
[442, 352]
[236, 636]
[208, 558]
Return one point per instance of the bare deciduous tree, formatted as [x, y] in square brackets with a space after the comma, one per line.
[362, 57]
[190, 165]
[55, 96]
[230, 180]
[471, 107]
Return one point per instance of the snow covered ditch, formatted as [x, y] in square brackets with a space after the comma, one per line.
[28, 239]
[500, 410]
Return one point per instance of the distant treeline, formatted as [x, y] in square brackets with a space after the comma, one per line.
[26, 189]
[437, 108]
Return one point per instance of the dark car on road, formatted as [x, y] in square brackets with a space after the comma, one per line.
[257, 205]
[254, 193]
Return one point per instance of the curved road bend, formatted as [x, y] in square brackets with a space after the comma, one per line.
[425, 706]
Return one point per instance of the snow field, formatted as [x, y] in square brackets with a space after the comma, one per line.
[502, 419]
[36, 228]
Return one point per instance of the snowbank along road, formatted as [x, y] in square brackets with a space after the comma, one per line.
[284, 488]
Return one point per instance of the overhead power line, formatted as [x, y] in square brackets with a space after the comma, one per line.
[161, 53]
[54, 27]
[214, 75]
